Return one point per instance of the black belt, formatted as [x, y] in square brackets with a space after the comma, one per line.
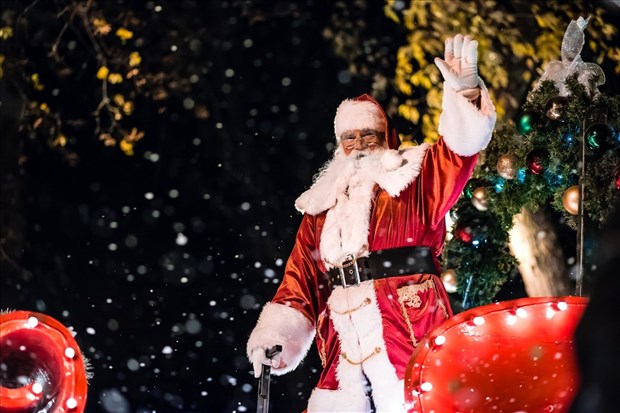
[386, 263]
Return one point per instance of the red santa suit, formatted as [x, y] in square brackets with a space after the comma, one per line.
[366, 333]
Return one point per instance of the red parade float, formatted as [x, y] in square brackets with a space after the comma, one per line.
[42, 367]
[509, 356]
[512, 356]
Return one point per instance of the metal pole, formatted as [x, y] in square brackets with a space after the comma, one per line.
[580, 215]
[464, 302]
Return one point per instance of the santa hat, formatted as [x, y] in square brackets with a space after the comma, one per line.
[364, 112]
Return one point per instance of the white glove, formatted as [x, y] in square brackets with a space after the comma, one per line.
[460, 67]
[258, 358]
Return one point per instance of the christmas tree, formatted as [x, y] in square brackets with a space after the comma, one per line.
[565, 143]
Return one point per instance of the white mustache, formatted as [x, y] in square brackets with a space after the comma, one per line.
[359, 153]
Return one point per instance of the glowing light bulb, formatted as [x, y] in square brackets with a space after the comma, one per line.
[69, 352]
[426, 386]
[37, 388]
[71, 403]
[478, 321]
[440, 340]
[32, 322]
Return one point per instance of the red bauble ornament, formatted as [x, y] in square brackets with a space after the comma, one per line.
[41, 356]
[617, 177]
[511, 356]
[537, 161]
[464, 232]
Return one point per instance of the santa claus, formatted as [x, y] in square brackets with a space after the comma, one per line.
[362, 278]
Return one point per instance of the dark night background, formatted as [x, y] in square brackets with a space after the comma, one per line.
[162, 261]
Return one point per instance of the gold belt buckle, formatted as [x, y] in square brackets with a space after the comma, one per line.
[350, 260]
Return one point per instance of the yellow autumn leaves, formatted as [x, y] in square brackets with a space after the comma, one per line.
[118, 106]
[104, 72]
[102, 28]
[5, 33]
[414, 71]
[124, 34]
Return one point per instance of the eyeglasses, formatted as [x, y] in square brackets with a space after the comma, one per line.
[368, 137]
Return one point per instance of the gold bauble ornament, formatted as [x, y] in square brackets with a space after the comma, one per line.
[448, 277]
[570, 200]
[506, 166]
[556, 108]
[480, 198]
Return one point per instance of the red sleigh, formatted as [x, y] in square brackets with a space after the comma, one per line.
[42, 366]
[512, 356]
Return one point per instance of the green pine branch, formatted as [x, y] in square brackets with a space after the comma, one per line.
[482, 260]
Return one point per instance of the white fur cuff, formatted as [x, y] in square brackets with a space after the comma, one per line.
[465, 128]
[322, 401]
[281, 324]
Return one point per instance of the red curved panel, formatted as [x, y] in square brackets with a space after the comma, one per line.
[511, 356]
[42, 366]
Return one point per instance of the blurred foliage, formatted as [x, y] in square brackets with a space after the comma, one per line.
[119, 59]
[367, 45]
[516, 41]
[129, 57]
[132, 57]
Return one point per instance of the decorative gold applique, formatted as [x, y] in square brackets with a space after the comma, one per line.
[409, 326]
[408, 297]
[441, 304]
[376, 351]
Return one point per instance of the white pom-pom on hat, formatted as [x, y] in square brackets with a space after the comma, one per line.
[357, 114]
[391, 160]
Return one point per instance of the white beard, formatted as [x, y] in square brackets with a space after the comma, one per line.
[345, 187]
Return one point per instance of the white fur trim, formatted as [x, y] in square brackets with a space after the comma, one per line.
[357, 114]
[345, 188]
[361, 335]
[394, 181]
[281, 324]
[331, 180]
[465, 128]
[322, 400]
[388, 395]
[345, 230]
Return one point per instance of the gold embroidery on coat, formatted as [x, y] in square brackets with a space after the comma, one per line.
[322, 351]
[366, 301]
[374, 353]
[441, 303]
[408, 297]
